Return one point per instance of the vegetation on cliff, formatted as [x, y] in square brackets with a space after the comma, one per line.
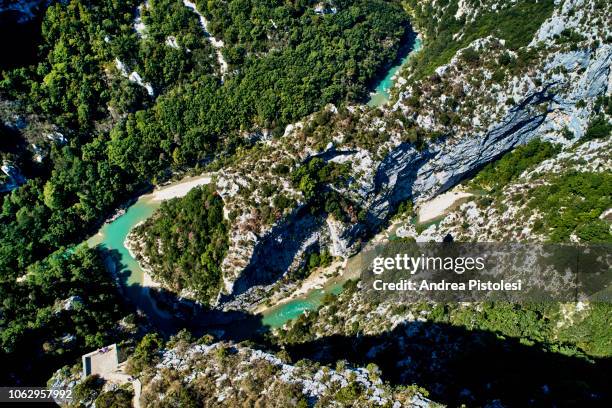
[566, 192]
[184, 242]
[446, 34]
[120, 138]
[228, 374]
[498, 174]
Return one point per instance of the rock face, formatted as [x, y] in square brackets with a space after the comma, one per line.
[508, 220]
[420, 175]
[233, 373]
[552, 96]
[278, 251]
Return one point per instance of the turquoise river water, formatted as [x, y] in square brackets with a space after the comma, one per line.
[382, 92]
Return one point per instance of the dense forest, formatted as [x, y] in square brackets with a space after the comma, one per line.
[119, 139]
[122, 93]
[62, 306]
[185, 242]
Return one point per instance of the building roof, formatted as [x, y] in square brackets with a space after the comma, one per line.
[101, 362]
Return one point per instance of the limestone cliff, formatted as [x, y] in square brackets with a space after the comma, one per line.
[487, 100]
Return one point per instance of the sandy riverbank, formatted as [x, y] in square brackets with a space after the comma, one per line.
[317, 279]
[147, 280]
[180, 189]
[439, 205]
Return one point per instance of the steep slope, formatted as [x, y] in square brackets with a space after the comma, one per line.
[527, 210]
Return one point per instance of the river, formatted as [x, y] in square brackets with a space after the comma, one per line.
[113, 234]
[382, 92]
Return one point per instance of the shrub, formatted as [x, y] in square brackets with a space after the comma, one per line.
[145, 354]
[498, 174]
[119, 398]
[598, 128]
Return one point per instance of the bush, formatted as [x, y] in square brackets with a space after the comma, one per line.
[598, 128]
[470, 56]
[573, 203]
[88, 389]
[119, 398]
[499, 173]
[145, 354]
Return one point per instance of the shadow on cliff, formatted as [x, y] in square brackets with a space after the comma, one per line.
[458, 366]
[168, 313]
[273, 255]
